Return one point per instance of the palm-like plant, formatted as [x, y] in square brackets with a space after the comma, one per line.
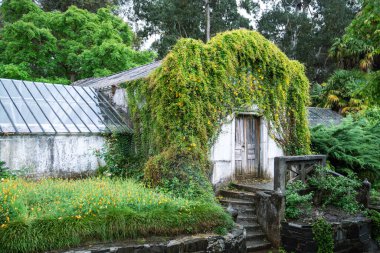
[343, 92]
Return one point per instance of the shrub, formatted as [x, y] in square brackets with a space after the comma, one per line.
[120, 157]
[4, 171]
[353, 145]
[375, 229]
[297, 204]
[52, 214]
[336, 191]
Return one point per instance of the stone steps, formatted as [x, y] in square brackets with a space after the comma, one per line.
[245, 188]
[244, 203]
[237, 194]
[255, 245]
[237, 203]
[255, 234]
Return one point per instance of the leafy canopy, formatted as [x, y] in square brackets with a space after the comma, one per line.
[69, 45]
[178, 111]
[360, 46]
[173, 19]
[305, 30]
[344, 92]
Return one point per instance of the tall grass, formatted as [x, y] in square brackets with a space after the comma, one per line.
[54, 214]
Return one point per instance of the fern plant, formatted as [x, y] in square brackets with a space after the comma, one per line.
[352, 145]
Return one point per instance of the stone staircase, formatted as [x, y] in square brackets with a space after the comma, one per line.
[241, 198]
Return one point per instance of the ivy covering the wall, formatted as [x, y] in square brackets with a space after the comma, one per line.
[179, 109]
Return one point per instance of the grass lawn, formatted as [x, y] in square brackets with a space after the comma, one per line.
[52, 214]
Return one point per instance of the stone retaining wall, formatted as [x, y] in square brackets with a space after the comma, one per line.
[350, 235]
[233, 242]
[270, 211]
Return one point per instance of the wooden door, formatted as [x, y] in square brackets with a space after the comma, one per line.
[247, 133]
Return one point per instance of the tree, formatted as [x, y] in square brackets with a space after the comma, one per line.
[359, 47]
[305, 29]
[73, 44]
[90, 5]
[174, 19]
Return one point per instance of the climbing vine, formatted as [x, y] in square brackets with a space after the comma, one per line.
[179, 109]
[323, 234]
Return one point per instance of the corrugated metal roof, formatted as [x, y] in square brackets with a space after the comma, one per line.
[122, 77]
[323, 116]
[32, 107]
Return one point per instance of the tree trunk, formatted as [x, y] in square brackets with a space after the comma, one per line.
[207, 20]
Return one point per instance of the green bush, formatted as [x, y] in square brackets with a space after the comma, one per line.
[354, 145]
[375, 229]
[297, 204]
[4, 171]
[336, 191]
[44, 215]
[323, 234]
[120, 157]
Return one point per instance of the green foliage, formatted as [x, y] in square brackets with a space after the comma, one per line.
[375, 228]
[74, 44]
[344, 92]
[178, 111]
[360, 46]
[90, 5]
[336, 191]
[39, 216]
[297, 204]
[305, 30]
[170, 19]
[120, 157]
[323, 234]
[353, 145]
[4, 171]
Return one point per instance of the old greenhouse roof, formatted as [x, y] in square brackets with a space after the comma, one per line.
[37, 108]
[323, 116]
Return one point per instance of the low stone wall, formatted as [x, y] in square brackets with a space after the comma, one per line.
[233, 242]
[350, 235]
[270, 210]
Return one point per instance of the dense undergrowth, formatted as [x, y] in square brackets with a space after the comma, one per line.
[56, 214]
[179, 109]
[322, 190]
[353, 145]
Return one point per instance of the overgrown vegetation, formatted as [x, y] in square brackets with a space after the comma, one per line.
[375, 228]
[52, 214]
[344, 92]
[323, 234]
[178, 111]
[120, 157]
[336, 191]
[4, 171]
[322, 190]
[297, 204]
[63, 47]
[352, 145]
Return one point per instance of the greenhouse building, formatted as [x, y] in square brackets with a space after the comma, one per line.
[54, 130]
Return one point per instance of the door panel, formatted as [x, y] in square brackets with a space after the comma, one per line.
[245, 145]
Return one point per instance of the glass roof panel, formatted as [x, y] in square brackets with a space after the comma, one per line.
[15, 116]
[30, 107]
[5, 123]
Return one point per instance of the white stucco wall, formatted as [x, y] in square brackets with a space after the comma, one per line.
[222, 153]
[51, 155]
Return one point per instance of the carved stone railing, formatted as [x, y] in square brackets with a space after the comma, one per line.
[290, 168]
